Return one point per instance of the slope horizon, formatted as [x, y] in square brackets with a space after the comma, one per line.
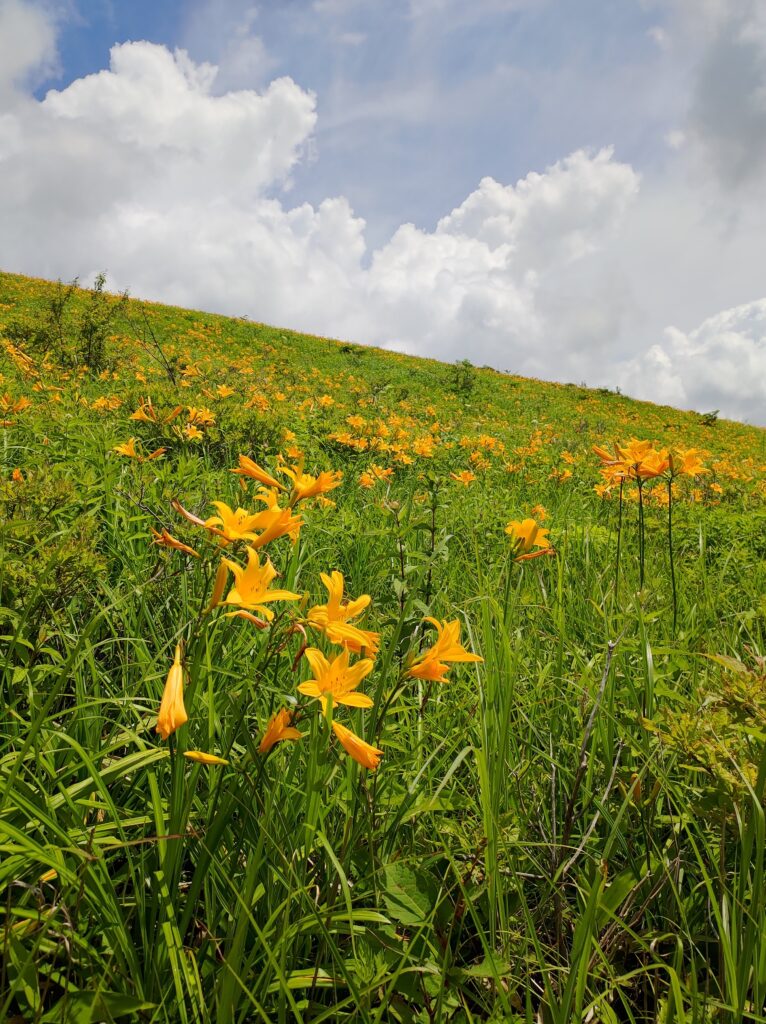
[84, 286]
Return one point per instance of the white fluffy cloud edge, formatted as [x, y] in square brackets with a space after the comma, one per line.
[180, 193]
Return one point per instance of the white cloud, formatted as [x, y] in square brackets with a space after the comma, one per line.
[719, 365]
[495, 277]
[145, 170]
[725, 42]
[27, 45]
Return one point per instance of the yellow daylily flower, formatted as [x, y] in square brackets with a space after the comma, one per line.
[128, 448]
[334, 618]
[688, 462]
[251, 589]
[361, 751]
[278, 729]
[465, 478]
[251, 469]
[307, 486]
[258, 528]
[232, 525]
[204, 758]
[525, 535]
[172, 714]
[432, 663]
[336, 679]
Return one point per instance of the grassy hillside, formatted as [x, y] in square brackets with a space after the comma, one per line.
[533, 787]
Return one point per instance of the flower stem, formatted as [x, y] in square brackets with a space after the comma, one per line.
[640, 534]
[619, 540]
[670, 550]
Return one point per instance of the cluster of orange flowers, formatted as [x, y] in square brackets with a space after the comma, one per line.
[335, 680]
[375, 475]
[10, 406]
[641, 461]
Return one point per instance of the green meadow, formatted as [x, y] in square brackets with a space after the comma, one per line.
[524, 781]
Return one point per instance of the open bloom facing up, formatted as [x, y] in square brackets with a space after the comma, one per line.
[307, 486]
[635, 460]
[654, 464]
[172, 714]
[432, 663]
[526, 535]
[336, 679]
[362, 752]
[465, 478]
[231, 524]
[641, 460]
[251, 587]
[257, 528]
[279, 728]
[274, 521]
[128, 448]
[688, 462]
[334, 618]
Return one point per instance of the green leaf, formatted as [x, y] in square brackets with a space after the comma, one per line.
[410, 894]
[94, 1007]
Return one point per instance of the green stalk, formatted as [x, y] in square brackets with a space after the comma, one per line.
[640, 534]
[670, 551]
[619, 541]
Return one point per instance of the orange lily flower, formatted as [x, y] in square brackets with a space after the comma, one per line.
[431, 664]
[278, 729]
[251, 469]
[251, 589]
[336, 679]
[334, 618]
[364, 753]
[172, 714]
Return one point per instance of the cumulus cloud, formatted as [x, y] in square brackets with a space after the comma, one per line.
[146, 170]
[27, 46]
[719, 365]
[496, 274]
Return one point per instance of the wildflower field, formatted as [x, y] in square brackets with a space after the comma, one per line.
[339, 685]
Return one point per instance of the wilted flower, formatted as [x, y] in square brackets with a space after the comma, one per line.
[166, 540]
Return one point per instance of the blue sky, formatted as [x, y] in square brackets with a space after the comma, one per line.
[572, 189]
[415, 110]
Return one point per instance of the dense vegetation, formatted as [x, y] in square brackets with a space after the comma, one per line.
[525, 781]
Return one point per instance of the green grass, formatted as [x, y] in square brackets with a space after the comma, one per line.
[571, 830]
